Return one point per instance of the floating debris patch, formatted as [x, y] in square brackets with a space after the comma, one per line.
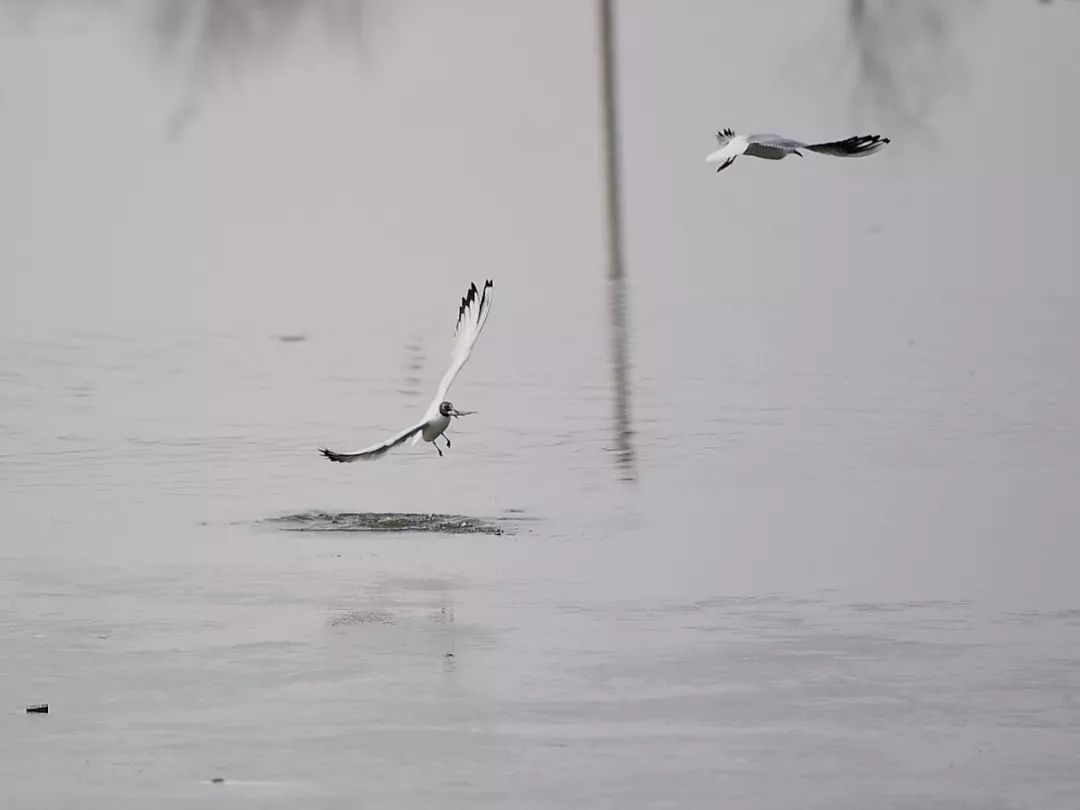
[368, 616]
[383, 522]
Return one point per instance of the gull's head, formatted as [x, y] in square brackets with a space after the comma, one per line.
[448, 409]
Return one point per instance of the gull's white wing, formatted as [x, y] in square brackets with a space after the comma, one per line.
[855, 146]
[731, 146]
[472, 315]
[376, 450]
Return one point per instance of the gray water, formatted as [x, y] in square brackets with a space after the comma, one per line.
[844, 575]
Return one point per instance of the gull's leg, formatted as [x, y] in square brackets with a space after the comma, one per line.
[437, 448]
[447, 440]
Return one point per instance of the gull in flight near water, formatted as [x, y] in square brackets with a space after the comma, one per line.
[472, 315]
[777, 147]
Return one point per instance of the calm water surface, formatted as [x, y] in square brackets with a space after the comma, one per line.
[844, 577]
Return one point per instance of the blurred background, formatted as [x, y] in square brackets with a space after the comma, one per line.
[784, 456]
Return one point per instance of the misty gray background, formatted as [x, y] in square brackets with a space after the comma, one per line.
[845, 575]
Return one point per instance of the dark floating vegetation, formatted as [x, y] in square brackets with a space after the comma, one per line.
[369, 616]
[383, 522]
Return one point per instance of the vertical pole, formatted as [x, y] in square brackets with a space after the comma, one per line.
[624, 450]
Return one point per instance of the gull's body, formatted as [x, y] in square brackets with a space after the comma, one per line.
[472, 315]
[776, 147]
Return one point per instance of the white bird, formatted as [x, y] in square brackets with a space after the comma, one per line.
[777, 147]
[472, 315]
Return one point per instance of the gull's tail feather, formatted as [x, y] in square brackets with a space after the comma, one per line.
[856, 146]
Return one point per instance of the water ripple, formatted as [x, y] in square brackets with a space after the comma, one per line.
[384, 522]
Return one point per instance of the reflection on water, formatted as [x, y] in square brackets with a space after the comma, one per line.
[413, 385]
[617, 291]
[220, 36]
[903, 57]
[207, 40]
[624, 447]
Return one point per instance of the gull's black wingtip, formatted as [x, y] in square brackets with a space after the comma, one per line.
[470, 298]
[863, 144]
[330, 454]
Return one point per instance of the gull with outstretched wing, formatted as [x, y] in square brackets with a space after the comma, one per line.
[472, 315]
[777, 147]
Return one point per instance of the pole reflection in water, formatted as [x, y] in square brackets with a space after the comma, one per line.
[617, 291]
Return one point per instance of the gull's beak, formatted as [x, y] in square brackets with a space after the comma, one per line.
[456, 412]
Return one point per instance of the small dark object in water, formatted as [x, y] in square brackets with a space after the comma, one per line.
[42, 709]
[292, 338]
[218, 780]
[449, 655]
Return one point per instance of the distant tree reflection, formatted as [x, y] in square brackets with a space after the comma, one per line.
[903, 58]
[226, 35]
[206, 39]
